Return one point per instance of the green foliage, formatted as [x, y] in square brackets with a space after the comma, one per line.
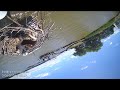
[93, 44]
[79, 51]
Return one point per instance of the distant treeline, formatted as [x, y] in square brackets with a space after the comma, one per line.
[93, 44]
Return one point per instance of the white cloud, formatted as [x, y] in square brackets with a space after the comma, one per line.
[48, 64]
[116, 30]
[67, 53]
[72, 56]
[38, 68]
[85, 67]
[93, 61]
[110, 43]
[57, 68]
[42, 75]
[21, 76]
[54, 61]
[106, 39]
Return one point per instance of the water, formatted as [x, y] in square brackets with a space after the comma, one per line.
[103, 64]
[70, 26]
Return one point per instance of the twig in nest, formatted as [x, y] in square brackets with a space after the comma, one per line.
[14, 21]
[5, 26]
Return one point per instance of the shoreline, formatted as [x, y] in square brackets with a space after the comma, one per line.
[55, 53]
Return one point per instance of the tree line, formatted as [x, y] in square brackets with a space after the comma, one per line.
[93, 44]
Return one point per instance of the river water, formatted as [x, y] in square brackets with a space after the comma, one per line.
[70, 26]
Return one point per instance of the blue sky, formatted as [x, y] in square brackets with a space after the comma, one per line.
[104, 64]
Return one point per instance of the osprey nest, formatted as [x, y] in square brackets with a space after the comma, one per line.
[17, 39]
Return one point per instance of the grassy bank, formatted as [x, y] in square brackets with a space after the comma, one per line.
[105, 26]
[99, 30]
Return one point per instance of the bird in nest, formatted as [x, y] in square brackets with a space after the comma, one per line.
[23, 40]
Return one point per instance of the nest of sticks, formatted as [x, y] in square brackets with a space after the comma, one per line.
[22, 39]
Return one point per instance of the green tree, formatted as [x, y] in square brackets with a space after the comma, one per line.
[93, 44]
[79, 51]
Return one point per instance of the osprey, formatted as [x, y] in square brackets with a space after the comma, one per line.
[23, 36]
